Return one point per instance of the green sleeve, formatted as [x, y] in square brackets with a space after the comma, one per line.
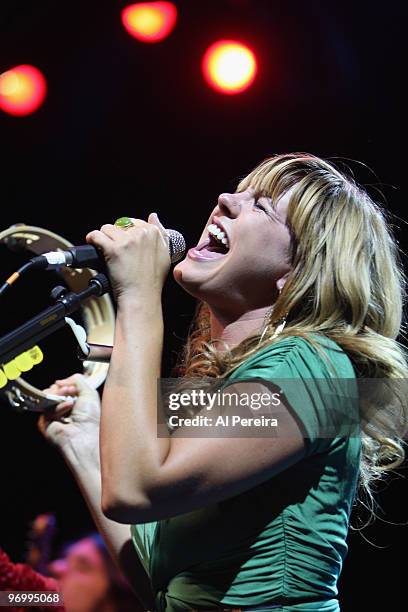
[318, 386]
[142, 537]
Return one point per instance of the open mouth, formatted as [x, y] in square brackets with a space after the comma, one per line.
[216, 244]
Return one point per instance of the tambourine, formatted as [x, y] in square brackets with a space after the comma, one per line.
[97, 314]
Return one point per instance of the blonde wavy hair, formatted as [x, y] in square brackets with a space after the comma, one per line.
[347, 282]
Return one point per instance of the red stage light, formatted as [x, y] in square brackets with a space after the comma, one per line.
[229, 66]
[150, 21]
[22, 90]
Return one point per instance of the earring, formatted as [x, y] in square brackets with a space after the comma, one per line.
[280, 327]
[282, 322]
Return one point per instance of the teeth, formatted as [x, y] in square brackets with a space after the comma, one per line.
[217, 232]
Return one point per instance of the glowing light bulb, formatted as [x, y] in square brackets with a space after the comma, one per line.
[22, 90]
[150, 21]
[229, 66]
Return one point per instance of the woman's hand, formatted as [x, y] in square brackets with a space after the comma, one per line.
[74, 421]
[137, 258]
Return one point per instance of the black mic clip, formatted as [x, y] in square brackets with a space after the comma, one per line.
[99, 285]
[54, 317]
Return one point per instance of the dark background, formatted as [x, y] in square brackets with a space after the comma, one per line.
[129, 128]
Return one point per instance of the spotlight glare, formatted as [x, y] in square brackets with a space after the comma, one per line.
[150, 21]
[229, 66]
[22, 90]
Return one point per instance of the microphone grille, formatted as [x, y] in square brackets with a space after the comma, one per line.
[177, 245]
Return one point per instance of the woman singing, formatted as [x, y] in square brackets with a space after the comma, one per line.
[300, 290]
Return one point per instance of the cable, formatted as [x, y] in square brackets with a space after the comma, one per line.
[14, 277]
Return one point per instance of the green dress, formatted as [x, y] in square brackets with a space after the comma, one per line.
[282, 542]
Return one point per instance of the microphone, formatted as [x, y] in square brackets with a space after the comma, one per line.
[88, 256]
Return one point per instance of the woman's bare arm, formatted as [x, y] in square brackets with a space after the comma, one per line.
[149, 478]
[116, 535]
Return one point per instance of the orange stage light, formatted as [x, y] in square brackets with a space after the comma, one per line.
[229, 66]
[22, 90]
[150, 21]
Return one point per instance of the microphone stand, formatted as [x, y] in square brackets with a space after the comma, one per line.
[27, 335]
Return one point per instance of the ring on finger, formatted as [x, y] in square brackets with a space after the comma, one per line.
[124, 223]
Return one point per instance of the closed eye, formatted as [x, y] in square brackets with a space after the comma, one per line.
[258, 205]
[266, 209]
